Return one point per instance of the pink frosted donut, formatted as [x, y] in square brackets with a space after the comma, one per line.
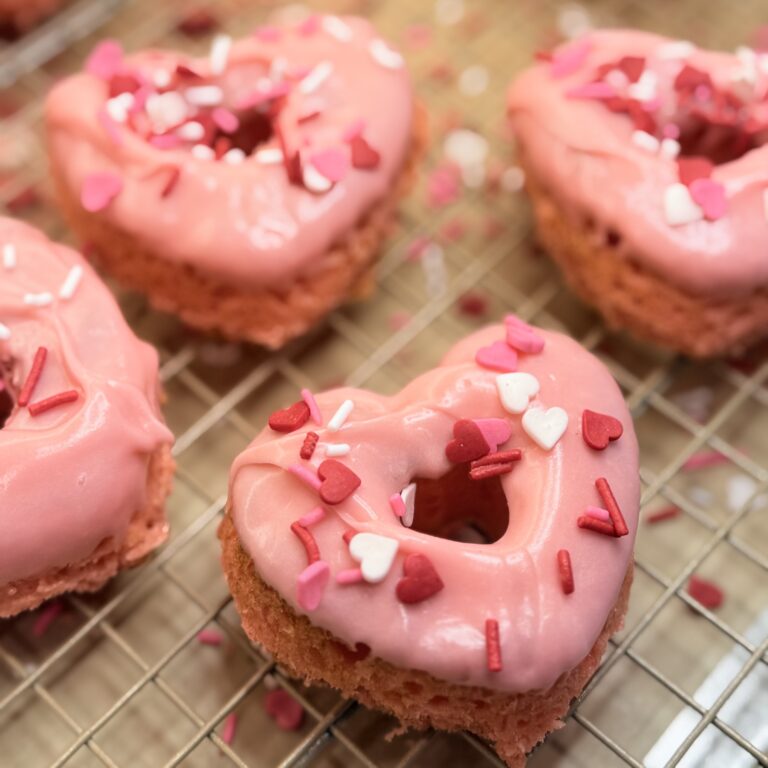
[645, 159]
[472, 534]
[84, 450]
[248, 190]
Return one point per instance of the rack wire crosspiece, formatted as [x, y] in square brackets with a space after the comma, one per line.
[121, 680]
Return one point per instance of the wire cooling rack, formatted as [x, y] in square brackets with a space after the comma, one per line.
[121, 679]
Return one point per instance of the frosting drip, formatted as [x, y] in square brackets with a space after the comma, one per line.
[76, 473]
[514, 581]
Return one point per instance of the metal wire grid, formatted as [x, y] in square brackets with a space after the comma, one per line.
[120, 679]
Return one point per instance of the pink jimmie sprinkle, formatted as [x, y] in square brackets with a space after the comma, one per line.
[226, 120]
[599, 513]
[209, 637]
[350, 576]
[704, 459]
[229, 728]
[105, 60]
[312, 518]
[306, 475]
[591, 91]
[47, 616]
[314, 410]
[397, 504]
[570, 59]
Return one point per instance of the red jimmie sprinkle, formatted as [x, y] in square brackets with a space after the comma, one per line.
[170, 184]
[33, 376]
[566, 572]
[667, 513]
[500, 457]
[41, 406]
[490, 470]
[606, 494]
[492, 647]
[593, 524]
[705, 592]
[308, 541]
[309, 445]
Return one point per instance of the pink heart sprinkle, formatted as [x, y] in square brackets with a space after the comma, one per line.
[499, 356]
[569, 59]
[496, 432]
[106, 60]
[332, 163]
[99, 190]
[311, 584]
[226, 120]
[591, 91]
[522, 336]
[710, 195]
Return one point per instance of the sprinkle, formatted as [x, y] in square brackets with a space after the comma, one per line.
[312, 518]
[316, 77]
[105, 60]
[289, 419]
[384, 55]
[337, 449]
[498, 356]
[670, 148]
[565, 570]
[667, 513]
[9, 256]
[375, 553]
[45, 618]
[41, 406]
[98, 191]
[516, 389]
[5, 332]
[170, 184]
[335, 27]
[705, 592]
[308, 541]
[645, 141]
[336, 421]
[710, 195]
[202, 152]
[679, 206]
[408, 495]
[677, 49]
[490, 470]
[397, 504]
[522, 337]
[339, 482]
[420, 580]
[270, 156]
[314, 410]
[209, 637]
[311, 584]
[545, 426]
[354, 130]
[220, 53]
[349, 576]
[234, 156]
[313, 180]
[570, 59]
[72, 280]
[473, 81]
[473, 304]
[33, 377]
[229, 728]
[331, 163]
[287, 713]
[593, 524]
[204, 95]
[704, 459]
[44, 299]
[492, 646]
[606, 494]
[310, 478]
[226, 120]
[599, 513]
[309, 445]
[599, 429]
[166, 110]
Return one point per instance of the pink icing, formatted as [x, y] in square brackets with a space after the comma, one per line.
[77, 473]
[246, 223]
[584, 154]
[543, 632]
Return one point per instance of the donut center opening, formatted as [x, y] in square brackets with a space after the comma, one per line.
[457, 508]
[718, 142]
[6, 403]
[254, 130]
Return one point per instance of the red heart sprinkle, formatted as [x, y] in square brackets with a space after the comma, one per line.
[420, 580]
[339, 481]
[598, 430]
[691, 168]
[632, 67]
[363, 154]
[705, 592]
[291, 418]
[468, 443]
[287, 713]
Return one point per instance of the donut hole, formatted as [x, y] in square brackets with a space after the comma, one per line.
[457, 508]
[254, 130]
[718, 142]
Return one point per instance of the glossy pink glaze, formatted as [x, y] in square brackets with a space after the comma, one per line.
[76, 474]
[245, 223]
[515, 580]
[584, 154]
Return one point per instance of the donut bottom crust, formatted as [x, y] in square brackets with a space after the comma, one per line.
[147, 530]
[513, 723]
[630, 296]
[269, 317]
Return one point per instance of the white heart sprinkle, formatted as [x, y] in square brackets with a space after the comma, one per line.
[545, 426]
[375, 554]
[680, 207]
[166, 110]
[516, 389]
[408, 495]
